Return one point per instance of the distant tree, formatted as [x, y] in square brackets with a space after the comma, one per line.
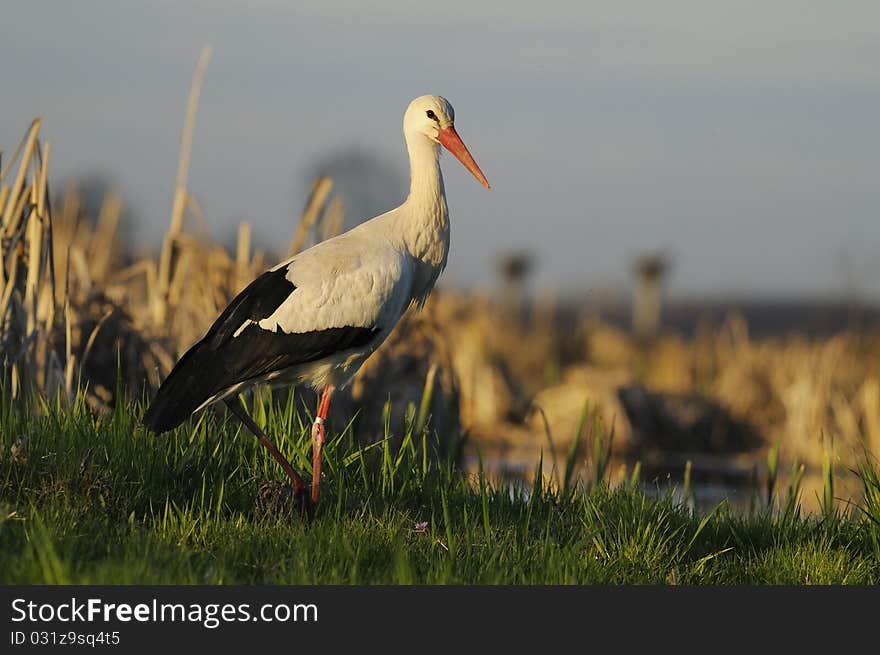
[649, 269]
[514, 268]
[366, 184]
[92, 190]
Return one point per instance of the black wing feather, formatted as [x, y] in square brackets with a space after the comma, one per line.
[219, 360]
[257, 301]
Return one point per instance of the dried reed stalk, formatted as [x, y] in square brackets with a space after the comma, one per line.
[314, 207]
[242, 255]
[180, 194]
[334, 216]
[27, 282]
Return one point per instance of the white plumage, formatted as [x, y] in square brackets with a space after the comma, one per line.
[316, 317]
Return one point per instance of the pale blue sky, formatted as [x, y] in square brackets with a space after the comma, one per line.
[740, 136]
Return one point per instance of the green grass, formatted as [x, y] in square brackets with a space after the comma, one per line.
[97, 499]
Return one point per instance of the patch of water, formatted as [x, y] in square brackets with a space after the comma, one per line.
[739, 481]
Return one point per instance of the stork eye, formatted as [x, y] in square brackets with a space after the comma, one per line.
[430, 114]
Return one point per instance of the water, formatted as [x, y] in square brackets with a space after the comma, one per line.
[740, 481]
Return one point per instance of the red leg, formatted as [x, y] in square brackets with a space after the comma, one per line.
[299, 487]
[318, 439]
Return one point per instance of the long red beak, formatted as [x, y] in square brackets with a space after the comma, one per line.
[453, 143]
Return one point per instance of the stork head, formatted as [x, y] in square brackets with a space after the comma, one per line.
[434, 118]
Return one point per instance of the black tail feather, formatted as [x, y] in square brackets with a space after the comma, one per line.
[184, 390]
[237, 350]
[213, 366]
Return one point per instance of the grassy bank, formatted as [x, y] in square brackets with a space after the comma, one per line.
[96, 499]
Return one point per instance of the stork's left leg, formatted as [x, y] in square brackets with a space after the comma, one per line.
[318, 440]
[299, 487]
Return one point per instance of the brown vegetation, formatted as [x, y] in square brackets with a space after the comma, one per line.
[76, 308]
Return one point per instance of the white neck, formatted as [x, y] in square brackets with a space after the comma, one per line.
[423, 219]
[426, 192]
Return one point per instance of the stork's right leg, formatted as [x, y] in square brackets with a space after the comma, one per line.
[318, 439]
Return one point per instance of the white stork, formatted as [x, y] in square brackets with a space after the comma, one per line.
[315, 318]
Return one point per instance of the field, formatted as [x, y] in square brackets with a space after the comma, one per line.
[494, 438]
[98, 500]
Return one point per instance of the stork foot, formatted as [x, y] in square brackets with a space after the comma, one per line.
[300, 490]
[303, 503]
[278, 499]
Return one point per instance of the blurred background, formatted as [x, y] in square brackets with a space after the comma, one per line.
[680, 240]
